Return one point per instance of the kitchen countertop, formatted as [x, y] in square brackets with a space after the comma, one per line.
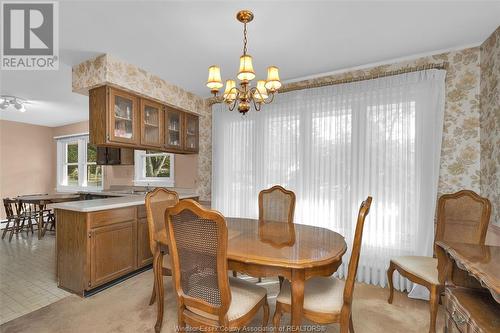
[109, 203]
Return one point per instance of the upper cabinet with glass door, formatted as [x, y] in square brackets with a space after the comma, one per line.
[174, 125]
[123, 118]
[191, 138]
[151, 123]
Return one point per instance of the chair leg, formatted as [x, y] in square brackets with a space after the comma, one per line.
[158, 262]
[15, 228]
[390, 273]
[153, 296]
[6, 228]
[351, 326]
[181, 324]
[278, 312]
[434, 304]
[265, 318]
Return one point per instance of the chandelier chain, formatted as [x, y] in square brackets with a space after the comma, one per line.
[244, 39]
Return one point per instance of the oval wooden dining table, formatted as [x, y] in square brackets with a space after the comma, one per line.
[296, 252]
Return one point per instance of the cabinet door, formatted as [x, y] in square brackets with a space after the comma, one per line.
[113, 252]
[123, 117]
[151, 123]
[191, 137]
[173, 129]
[144, 255]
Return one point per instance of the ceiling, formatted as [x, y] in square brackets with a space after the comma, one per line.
[179, 40]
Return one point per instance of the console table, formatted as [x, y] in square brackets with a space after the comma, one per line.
[471, 274]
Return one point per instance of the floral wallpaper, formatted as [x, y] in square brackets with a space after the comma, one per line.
[460, 154]
[106, 69]
[490, 123]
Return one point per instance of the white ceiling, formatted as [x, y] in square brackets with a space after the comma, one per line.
[179, 40]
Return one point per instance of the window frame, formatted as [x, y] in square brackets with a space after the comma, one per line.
[140, 178]
[62, 165]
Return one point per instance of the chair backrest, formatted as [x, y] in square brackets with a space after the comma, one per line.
[198, 249]
[276, 204]
[364, 209]
[11, 207]
[463, 217]
[157, 202]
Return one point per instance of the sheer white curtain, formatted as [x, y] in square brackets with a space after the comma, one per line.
[333, 146]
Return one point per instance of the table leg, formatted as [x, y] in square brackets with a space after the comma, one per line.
[40, 222]
[297, 284]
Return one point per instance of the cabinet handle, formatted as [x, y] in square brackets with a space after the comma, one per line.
[90, 234]
[457, 318]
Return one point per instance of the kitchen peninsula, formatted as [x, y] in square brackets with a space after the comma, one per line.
[102, 240]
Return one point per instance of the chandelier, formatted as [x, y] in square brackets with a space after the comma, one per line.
[245, 95]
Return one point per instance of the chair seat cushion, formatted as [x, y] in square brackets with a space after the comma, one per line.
[321, 294]
[244, 297]
[423, 267]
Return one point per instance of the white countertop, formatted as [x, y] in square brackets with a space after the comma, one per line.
[108, 203]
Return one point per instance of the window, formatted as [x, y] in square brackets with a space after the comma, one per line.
[154, 168]
[76, 165]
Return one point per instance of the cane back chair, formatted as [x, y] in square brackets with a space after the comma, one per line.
[461, 217]
[328, 300]
[206, 297]
[157, 203]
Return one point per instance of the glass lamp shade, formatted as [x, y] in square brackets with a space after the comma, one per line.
[260, 93]
[273, 82]
[246, 72]
[214, 81]
[230, 93]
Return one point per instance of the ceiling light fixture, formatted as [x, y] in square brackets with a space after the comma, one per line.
[18, 103]
[265, 90]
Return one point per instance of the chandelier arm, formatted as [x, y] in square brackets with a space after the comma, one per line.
[270, 100]
[256, 105]
[232, 105]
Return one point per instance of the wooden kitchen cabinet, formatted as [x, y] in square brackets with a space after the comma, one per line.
[151, 123]
[113, 118]
[191, 133]
[112, 252]
[122, 119]
[174, 126]
[144, 255]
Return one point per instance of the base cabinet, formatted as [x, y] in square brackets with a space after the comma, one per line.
[97, 247]
[144, 255]
[112, 252]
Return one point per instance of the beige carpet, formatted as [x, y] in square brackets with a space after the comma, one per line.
[124, 308]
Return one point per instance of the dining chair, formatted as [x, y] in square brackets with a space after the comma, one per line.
[276, 204]
[461, 217]
[328, 300]
[206, 297]
[30, 213]
[14, 221]
[157, 202]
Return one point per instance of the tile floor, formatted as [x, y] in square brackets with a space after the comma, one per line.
[27, 275]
